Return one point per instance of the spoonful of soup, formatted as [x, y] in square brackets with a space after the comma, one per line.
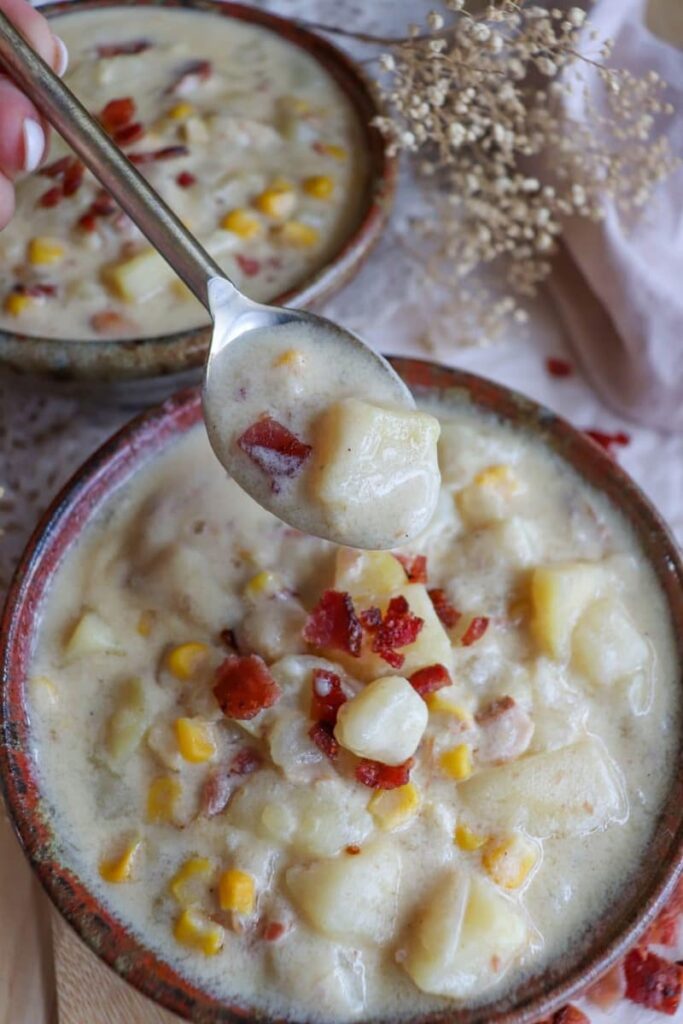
[307, 418]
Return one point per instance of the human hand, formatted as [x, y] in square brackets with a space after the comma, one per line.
[23, 132]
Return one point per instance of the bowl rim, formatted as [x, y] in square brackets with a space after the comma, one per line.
[175, 352]
[108, 469]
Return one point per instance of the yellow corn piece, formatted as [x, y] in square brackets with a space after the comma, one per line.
[195, 741]
[508, 861]
[292, 357]
[468, 840]
[333, 150]
[190, 883]
[16, 303]
[263, 584]
[185, 660]
[278, 201]
[44, 252]
[296, 233]
[181, 110]
[501, 477]
[393, 807]
[197, 931]
[242, 223]
[442, 705]
[236, 891]
[119, 869]
[146, 622]
[457, 762]
[319, 186]
[162, 798]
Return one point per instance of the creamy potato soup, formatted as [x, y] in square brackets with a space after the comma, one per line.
[340, 785]
[247, 138]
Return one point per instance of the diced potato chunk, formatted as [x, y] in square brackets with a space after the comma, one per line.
[570, 791]
[606, 646]
[392, 808]
[384, 722]
[139, 277]
[351, 898]
[198, 931]
[163, 797]
[465, 938]
[44, 693]
[190, 884]
[373, 575]
[560, 594]
[127, 723]
[91, 635]
[368, 462]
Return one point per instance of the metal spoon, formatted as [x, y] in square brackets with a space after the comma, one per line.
[233, 313]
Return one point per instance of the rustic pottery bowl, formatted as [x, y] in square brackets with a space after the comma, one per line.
[153, 359]
[97, 483]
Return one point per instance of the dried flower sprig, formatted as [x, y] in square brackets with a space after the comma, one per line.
[515, 128]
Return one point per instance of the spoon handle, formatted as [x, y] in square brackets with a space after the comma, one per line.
[90, 142]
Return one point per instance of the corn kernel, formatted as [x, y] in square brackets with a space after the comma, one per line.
[457, 762]
[44, 252]
[278, 201]
[119, 869]
[191, 881]
[16, 303]
[242, 223]
[501, 477]
[181, 110]
[296, 233]
[186, 660]
[468, 840]
[333, 150]
[195, 741]
[442, 705]
[319, 186]
[263, 584]
[162, 798]
[236, 891]
[393, 807]
[508, 861]
[292, 357]
[197, 931]
[298, 105]
[146, 622]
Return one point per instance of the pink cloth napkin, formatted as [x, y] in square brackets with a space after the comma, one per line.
[618, 286]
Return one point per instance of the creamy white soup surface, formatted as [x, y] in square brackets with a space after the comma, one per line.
[336, 784]
[247, 138]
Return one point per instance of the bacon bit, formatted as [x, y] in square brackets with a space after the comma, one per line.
[371, 618]
[103, 204]
[248, 266]
[52, 197]
[432, 677]
[558, 367]
[274, 449]
[222, 781]
[415, 567]
[153, 157]
[495, 709]
[129, 49]
[56, 168]
[383, 776]
[129, 134]
[607, 992]
[244, 686]
[228, 639]
[447, 612]
[321, 734]
[117, 113]
[189, 76]
[274, 930]
[333, 623]
[398, 628]
[185, 180]
[328, 696]
[353, 849]
[245, 762]
[73, 177]
[609, 441]
[570, 1015]
[36, 291]
[653, 981]
[111, 324]
[475, 630]
[87, 222]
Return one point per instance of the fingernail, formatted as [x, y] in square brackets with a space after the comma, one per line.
[34, 144]
[62, 56]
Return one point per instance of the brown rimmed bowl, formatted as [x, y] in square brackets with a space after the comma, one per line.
[151, 360]
[97, 483]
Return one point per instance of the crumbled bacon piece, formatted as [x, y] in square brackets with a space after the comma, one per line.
[333, 623]
[558, 367]
[432, 677]
[274, 930]
[189, 76]
[415, 567]
[398, 628]
[328, 696]
[155, 155]
[609, 441]
[128, 134]
[87, 222]
[448, 614]
[117, 113]
[185, 179]
[569, 1015]
[245, 761]
[52, 197]
[653, 981]
[274, 449]
[371, 618]
[383, 776]
[36, 291]
[56, 168]
[103, 204]
[222, 781]
[608, 990]
[248, 266]
[475, 630]
[495, 709]
[72, 177]
[129, 49]
[321, 734]
[353, 849]
[110, 324]
[228, 639]
[244, 686]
